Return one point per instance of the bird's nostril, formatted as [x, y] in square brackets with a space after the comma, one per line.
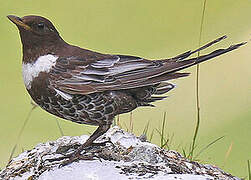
[19, 19]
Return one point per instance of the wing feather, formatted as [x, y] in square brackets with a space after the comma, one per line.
[120, 72]
[78, 75]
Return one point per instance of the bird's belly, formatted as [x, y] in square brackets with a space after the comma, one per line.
[92, 109]
[80, 109]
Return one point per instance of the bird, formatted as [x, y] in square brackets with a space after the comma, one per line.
[88, 87]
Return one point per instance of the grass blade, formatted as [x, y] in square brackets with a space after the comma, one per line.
[151, 136]
[22, 130]
[184, 153]
[228, 153]
[249, 171]
[163, 131]
[118, 121]
[145, 130]
[197, 87]
[163, 141]
[60, 128]
[131, 123]
[207, 146]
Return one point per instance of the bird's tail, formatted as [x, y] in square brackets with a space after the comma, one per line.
[172, 65]
[181, 62]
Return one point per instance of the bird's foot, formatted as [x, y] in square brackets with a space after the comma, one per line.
[103, 143]
[88, 154]
[75, 157]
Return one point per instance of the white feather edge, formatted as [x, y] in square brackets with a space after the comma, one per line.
[63, 95]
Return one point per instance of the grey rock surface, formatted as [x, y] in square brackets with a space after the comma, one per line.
[127, 158]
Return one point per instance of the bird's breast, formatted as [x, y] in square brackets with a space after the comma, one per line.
[32, 70]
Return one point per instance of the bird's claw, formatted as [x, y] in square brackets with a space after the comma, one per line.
[77, 155]
[104, 143]
[75, 158]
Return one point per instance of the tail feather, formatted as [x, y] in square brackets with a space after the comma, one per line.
[169, 69]
[217, 52]
[189, 53]
[177, 64]
[155, 98]
[163, 88]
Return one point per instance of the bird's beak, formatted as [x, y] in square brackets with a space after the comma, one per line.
[18, 21]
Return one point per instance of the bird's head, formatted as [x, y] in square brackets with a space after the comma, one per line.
[35, 30]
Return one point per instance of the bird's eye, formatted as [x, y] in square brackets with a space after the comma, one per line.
[40, 25]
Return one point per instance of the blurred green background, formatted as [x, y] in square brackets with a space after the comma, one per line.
[151, 29]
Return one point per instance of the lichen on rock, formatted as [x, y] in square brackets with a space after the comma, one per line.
[127, 157]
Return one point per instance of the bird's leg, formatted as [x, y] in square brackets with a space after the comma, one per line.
[89, 142]
[102, 129]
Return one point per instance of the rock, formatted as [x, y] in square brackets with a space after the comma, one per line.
[127, 157]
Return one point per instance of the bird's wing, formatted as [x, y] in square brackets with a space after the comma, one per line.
[73, 75]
